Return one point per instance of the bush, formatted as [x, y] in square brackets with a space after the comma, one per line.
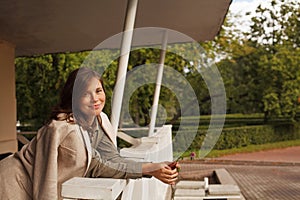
[239, 130]
[262, 134]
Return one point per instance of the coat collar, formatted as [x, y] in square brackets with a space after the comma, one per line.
[107, 127]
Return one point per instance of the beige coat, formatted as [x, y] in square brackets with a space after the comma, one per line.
[37, 171]
[110, 163]
[56, 154]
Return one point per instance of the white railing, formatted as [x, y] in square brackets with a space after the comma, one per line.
[156, 148]
[92, 188]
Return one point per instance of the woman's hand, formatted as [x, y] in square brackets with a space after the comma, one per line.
[162, 171]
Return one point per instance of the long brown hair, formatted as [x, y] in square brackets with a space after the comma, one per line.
[75, 86]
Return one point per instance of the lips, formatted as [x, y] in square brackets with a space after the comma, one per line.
[96, 106]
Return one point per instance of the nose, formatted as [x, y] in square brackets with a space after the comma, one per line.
[95, 97]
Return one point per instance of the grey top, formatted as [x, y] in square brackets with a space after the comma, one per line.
[107, 161]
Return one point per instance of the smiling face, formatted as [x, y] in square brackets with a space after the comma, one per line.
[92, 100]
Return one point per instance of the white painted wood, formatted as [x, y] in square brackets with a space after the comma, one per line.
[190, 185]
[225, 197]
[188, 198]
[93, 188]
[157, 148]
[206, 183]
[123, 63]
[208, 198]
[190, 193]
[158, 83]
[217, 189]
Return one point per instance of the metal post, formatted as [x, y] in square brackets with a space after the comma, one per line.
[158, 83]
[123, 63]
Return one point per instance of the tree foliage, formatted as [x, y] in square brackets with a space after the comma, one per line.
[260, 70]
[38, 83]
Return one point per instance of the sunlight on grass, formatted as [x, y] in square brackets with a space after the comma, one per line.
[247, 149]
[254, 148]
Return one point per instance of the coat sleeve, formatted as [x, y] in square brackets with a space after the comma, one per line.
[109, 151]
[107, 169]
[45, 171]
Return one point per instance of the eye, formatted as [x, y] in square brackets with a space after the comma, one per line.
[99, 90]
[86, 94]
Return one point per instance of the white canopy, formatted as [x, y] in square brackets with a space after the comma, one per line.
[38, 27]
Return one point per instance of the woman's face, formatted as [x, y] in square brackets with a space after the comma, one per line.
[92, 100]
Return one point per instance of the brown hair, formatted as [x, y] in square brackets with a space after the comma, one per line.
[67, 108]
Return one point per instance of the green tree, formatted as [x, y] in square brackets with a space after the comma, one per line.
[38, 83]
[274, 35]
[142, 99]
[261, 68]
[235, 59]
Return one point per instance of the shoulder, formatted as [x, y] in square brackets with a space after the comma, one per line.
[57, 129]
[62, 125]
[106, 124]
[104, 116]
[104, 119]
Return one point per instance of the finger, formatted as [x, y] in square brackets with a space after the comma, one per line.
[168, 171]
[169, 181]
[171, 176]
[172, 172]
[175, 175]
[172, 181]
[166, 176]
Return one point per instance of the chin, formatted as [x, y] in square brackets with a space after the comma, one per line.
[97, 112]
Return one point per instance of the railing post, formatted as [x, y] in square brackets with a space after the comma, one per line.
[123, 63]
[158, 83]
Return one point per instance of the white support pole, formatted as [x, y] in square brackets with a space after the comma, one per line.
[158, 83]
[123, 63]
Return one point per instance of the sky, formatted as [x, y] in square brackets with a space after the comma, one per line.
[244, 5]
[241, 7]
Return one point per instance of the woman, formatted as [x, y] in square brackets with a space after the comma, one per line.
[103, 138]
[62, 150]
[56, 154]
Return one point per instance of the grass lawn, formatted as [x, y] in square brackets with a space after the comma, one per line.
[247, 149]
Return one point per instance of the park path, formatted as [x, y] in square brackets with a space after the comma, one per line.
[285, 155]
[266, 175]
